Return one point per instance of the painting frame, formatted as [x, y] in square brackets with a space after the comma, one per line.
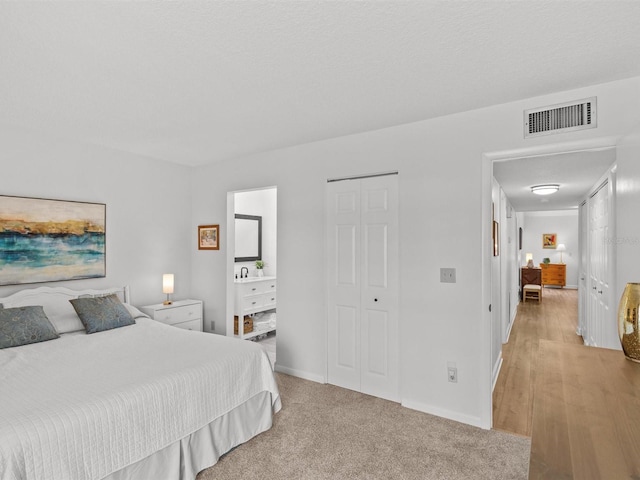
[51, 240]
[549, 240]
[208, 237]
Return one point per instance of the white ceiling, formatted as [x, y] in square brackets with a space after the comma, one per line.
[195, 82]
[575, 172]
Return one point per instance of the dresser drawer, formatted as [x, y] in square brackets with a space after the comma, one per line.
[181, 314]
[195, 325]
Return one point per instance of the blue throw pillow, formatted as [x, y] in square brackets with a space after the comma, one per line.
[102, 313]
[24, 325]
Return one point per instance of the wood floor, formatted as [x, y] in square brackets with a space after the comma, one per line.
[556, 319]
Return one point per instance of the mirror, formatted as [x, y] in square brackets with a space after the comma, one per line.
[248, 238]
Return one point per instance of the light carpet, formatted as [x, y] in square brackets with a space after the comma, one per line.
[327, 432]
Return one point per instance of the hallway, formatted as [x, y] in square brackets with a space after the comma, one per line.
[556, 319]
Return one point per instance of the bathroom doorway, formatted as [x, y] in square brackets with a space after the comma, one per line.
[255, 267]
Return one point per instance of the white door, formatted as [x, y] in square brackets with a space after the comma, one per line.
[600, 324]
[362, 229]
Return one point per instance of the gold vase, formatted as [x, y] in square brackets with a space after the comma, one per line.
[628, 321]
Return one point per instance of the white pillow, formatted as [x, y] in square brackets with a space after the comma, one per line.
[63, 317]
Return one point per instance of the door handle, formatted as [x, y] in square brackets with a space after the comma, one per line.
[600, 291]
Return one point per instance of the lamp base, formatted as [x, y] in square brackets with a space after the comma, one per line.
[167, 302]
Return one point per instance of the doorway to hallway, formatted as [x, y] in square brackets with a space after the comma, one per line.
[555, 319]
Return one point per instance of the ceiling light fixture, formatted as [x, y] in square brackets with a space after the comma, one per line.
[545, 189]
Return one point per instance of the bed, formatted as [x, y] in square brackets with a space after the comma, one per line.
[144, 400]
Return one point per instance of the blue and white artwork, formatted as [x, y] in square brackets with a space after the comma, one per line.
[50, 240]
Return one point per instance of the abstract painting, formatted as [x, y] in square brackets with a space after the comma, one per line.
[45, 240]
[549, 240]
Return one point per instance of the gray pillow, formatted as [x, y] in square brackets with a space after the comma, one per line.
[24, 325]
[102, 313]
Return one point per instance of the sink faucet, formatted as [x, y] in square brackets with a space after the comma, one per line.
[242, 274]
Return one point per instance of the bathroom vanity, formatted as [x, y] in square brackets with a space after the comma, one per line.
[254, 295]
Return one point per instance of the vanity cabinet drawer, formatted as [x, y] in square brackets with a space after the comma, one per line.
[264, 301]
[256, 288]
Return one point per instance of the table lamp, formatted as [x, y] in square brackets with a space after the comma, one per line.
[167, 287]
[561, 248]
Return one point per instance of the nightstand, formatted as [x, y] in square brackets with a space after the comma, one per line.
[185, 314]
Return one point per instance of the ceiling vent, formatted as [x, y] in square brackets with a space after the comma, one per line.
[561, 118]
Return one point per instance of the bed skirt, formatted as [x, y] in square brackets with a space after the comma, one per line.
[184, 459]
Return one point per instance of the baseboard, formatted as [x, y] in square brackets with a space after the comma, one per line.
[444, 413]
[300, 374]
[509, 327]
[496, 371]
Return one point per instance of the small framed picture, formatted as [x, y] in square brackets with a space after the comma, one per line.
[549, 240]
[209, 237]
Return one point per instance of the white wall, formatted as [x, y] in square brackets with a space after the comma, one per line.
[565, 224]
[627, 234]
[263, 203]
[148, 207]
[444, 176]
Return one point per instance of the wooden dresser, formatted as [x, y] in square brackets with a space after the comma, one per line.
[554, 274]
[530, 276]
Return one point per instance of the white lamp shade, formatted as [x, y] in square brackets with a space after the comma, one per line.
[561, 247]
[528, 256]
[167, 283]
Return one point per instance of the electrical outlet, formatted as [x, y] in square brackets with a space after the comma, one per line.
[447, 275]
[452, 372]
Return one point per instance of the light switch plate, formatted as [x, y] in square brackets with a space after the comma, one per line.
[447, 275]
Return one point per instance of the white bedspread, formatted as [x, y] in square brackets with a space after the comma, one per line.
[83, 406]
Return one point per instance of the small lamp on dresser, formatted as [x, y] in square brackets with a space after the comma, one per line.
[561, 248]
[529, 259]
[167, 287]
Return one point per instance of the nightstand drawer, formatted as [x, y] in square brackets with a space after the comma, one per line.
[195, 325]
[181, 314]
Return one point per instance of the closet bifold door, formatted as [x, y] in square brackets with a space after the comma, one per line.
[362, 244]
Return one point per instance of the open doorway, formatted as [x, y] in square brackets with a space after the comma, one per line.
[535, 226]
[254, 260]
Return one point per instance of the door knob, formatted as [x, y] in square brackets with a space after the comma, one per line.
[375, 299]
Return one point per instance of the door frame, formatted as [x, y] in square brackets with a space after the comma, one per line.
[486, 415]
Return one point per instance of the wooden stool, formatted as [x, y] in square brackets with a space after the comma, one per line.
[532, 292]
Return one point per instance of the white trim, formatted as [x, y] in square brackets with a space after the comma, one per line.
[360, 177]
[496, 371]
[442, 412]
[300, 374]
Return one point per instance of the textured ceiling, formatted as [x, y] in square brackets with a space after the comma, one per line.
[195, 82]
